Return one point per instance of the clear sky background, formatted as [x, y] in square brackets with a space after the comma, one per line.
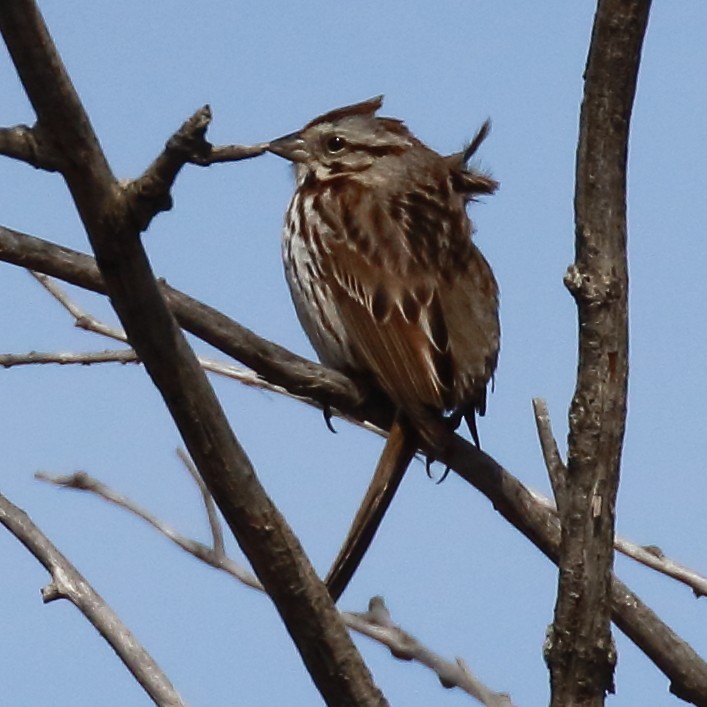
[451, 570]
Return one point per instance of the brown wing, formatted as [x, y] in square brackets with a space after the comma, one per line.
[396, 328]
[470, 306]
[416, 298]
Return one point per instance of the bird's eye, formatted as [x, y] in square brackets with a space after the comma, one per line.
[336, 143]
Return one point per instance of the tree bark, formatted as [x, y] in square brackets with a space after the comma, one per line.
[580, 653]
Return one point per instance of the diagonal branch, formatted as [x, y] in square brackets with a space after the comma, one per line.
[683, 666]
[114, 233]
[68, 583]
[88, 322]
[213, 555]
[377, 623]
[650, 556]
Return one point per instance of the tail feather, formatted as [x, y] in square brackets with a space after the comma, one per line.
[396, 457]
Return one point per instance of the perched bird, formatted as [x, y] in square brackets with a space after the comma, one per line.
[388, 284]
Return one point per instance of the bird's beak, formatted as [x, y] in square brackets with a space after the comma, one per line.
[291, 147]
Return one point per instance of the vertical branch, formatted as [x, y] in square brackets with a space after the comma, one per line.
[580, 653]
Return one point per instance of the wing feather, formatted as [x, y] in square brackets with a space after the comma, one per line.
[415, 304]
[390, 330]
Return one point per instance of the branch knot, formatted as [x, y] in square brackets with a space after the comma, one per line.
[592, 286]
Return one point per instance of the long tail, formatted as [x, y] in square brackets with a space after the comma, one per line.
[397, 454]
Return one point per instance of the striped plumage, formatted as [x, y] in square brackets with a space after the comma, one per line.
[380, 263]
[378, 256]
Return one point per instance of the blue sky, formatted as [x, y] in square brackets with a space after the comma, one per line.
[451, 570]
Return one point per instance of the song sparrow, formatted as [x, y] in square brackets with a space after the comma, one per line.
[387, 283]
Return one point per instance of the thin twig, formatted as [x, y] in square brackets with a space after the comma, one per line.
[209, 505]
[648, 555]
[82, 320]
[296, 374]
[212, 556]
[150, 193]
[653, 557]
[123, 356]
[553, 462]
[70, 358]
[376, 623]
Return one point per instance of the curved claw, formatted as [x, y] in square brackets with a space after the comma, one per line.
[429, 461]
[470, 418]
[326, 410]
[447, 469]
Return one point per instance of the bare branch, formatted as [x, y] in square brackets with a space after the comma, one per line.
[274, 363]
[653, 557]
[113, 226]
[150, 193]
[230, 153]
[210, 555]
[63, 359]
[26, 145]
[189, 144]
[648, 555]
[123, 356]
[82, 319]
[68, 583]
[375, 623]
[553, 462]
[209, 505]
[88, 322]
[683, 666]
